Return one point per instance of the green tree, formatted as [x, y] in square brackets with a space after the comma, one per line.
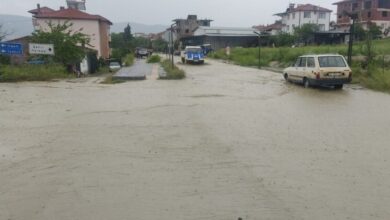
[69, 46]
[283, 39]
[159, 45]
[127, 35]
[305, 33]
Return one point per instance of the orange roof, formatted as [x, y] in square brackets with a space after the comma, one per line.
[71, 13]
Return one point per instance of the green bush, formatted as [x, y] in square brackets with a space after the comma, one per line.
[172, 73]
[32, 73]
[128, 60]
[154, 59]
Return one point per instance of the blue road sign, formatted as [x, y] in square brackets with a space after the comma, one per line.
[11, 48]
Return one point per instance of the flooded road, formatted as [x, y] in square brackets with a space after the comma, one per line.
[228, 142]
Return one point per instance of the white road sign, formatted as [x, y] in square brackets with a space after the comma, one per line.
[47, 49]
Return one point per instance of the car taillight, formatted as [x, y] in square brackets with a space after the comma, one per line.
[318, 76]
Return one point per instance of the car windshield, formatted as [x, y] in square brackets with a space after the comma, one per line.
[331, 61]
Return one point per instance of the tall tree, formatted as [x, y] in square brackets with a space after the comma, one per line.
[69, 45]
[127, 33]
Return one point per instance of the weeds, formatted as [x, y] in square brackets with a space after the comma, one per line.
[10, 73]
[172, 73]
[154, 59]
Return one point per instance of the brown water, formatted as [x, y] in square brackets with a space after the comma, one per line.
[226, 142]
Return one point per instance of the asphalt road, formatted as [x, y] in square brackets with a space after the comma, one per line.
[224, 143]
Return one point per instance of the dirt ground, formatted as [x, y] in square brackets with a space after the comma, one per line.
[228, 142]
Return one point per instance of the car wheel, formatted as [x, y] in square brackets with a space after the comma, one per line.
[285, 76]
[306, 83]
[338, 86]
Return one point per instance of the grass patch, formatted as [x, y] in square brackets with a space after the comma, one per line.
[128, 60]
[172, 73]
[154, 59]
[32, 73]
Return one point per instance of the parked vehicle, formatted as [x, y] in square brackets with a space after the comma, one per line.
[114, 66]
[322, 70]
[141, 52]
[192, 54]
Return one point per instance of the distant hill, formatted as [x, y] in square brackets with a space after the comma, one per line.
[138, 28]
[19, 26]
[16, 26]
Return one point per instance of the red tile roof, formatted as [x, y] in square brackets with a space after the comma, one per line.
[310, 7]
[71, 13]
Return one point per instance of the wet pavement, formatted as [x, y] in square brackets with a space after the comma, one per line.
[226, 142]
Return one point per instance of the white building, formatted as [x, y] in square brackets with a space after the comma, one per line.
[305, 14]
[96, 27]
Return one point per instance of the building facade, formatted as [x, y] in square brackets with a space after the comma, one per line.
[96, 27]
[221, 37]
[295, 17]
[368, 11]
[186, 27]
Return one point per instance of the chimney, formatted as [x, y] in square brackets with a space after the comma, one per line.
[39, 8]
[291, 6]
[62, 8]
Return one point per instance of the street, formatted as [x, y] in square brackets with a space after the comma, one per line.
[227, 142]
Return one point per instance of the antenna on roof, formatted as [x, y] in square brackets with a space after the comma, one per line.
[76, 4]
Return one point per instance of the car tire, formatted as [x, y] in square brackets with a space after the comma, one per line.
[306, 83]
[338, 86]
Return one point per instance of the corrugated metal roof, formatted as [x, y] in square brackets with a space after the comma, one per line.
[224, 31]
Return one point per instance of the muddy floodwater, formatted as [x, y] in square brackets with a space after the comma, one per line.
[227, 142]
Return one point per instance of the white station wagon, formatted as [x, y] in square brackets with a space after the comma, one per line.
[322, 70]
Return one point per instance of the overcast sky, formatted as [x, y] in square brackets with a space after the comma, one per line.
[231, 13]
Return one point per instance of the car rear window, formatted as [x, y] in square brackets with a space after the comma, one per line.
[331, 61]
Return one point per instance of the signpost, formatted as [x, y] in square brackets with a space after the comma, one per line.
[44, 49]
[11, 48]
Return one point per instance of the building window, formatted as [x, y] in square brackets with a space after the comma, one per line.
[354, 6]
[293, 15]
[307, 14]
[367, 5]
[384, 14]
[340, 16]
[322, 15]
[321, 27]
[187, 31]
[369, 15]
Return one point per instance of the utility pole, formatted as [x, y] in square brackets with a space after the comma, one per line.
[353, 17]
[172, 46]
[259, 42]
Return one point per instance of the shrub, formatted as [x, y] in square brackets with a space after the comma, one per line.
[32, 73]
[128, 60]
[172, 73]
[154, 59]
